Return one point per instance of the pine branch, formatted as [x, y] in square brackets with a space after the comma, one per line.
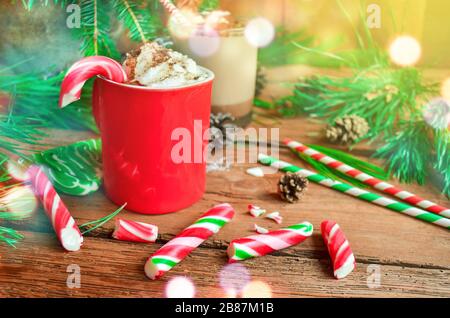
[34, 100]
[408, 152]
[138, 19]
[383, 97]
[442, 162]
[9, 236]
[95, 29]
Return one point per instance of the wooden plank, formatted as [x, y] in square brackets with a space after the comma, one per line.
[38, 268]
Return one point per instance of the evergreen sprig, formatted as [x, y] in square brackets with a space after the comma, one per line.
[383, 97]
[10, 236]
[35, 102]
[346, 158]
[409, 152]
[95, 29]
[141, 24]
[92, 225]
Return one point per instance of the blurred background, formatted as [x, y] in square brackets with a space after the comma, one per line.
[41, 32]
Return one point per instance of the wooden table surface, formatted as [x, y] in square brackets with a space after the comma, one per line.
[412, 257]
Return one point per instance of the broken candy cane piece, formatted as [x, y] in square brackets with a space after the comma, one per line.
[275, 216]
[338, 248]
[255, 211]
[260, 230]
[262, 244]
[132, 231]
[256, 172]
[85, 69]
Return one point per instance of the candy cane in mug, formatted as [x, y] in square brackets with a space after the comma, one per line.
[65, 227]
[339, 248]
[189, 239]
[85, 69]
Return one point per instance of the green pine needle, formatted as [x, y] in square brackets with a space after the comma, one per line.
[346, 158]
[10, 236]
[383, 97]
[95, 29]
[35, 102]
[142, 25]
[442, 162]
[408, 152]
[354, 162]
[90, 226]
[284, 49]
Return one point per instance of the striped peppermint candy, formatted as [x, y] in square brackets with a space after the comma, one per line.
[339, 248]
[361, 194]
[65, 227]
[262, 244]
[131, 231]
[85, 69]
[369, 180]
[190, 238]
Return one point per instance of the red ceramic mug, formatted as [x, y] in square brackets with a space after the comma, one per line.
[137, 125]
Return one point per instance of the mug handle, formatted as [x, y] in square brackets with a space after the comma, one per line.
[96, 102]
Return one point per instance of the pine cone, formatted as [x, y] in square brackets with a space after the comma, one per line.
[261, 80]
[219, 124]
[347, 130]
[292, 186]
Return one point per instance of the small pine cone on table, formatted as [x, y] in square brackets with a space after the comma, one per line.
[292, 186]
[347, 130]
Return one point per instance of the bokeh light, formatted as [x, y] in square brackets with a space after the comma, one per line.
[260, 32]
[257, 289]
[184, 28]
[233, 278]
[437, 113]
[445, 89]
[180, 287]
[205, 44]
[405, 51]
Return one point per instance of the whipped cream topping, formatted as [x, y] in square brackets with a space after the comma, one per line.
[156, 66]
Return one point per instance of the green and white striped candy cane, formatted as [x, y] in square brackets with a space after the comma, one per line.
[357, 192]
[189, 239]
[263, 244]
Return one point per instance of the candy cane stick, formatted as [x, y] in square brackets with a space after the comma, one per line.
[357, 192]
[65, 227]
[85, 69]
[190, 238]
[367, 179]
[339, 248]
[262, 244]
[131, 231]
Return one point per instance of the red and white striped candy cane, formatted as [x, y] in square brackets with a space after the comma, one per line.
[339, 249]
[85, 69]
[189, 239]
[369, 180]
[65, 227]
[132, 231]
[262, 244]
